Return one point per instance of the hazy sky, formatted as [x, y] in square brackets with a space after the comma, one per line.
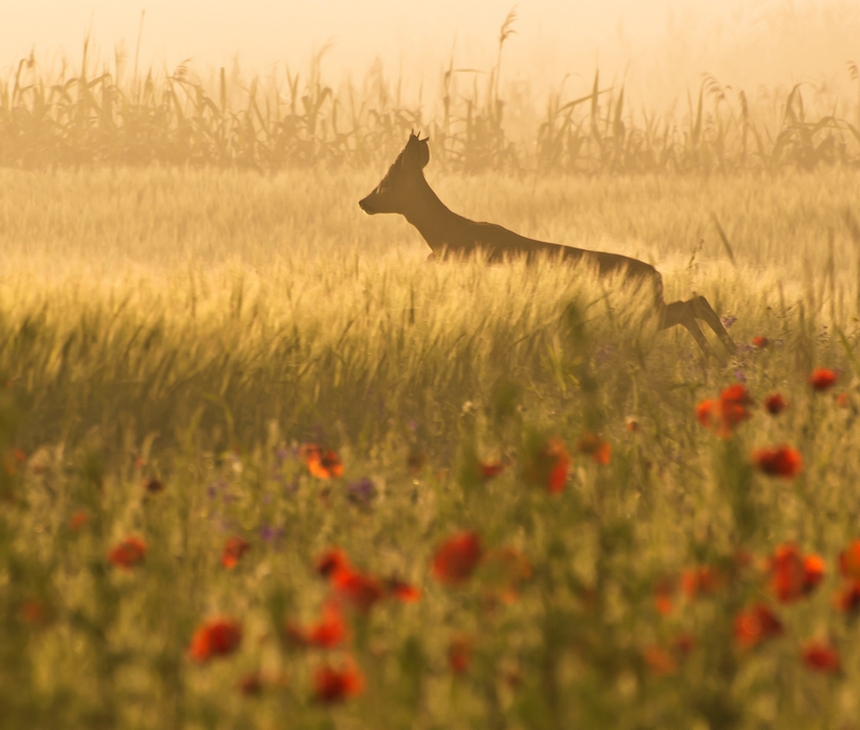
[735, 38]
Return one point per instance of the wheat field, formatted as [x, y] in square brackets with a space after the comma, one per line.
[194, 352]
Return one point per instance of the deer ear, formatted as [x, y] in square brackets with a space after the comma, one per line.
[424, 152]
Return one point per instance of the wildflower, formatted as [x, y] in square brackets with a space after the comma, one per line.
[459, 654]
[631, 423]
[321, 463]
[34, 612]
[775, 404]
[234, 548]
[778, 461]
[360, 591]
[78, 520]
[547, 465]
[702, 581]
[822, 379]
[596, 447]
[326, 633]
[490, 469]
[362, 492]
[660, 661]
[416, 461]
[821, 657]
[847, 598]
[663, 592]
[128, 553]
[215, 637]
[793, 575]
[722, 415]
[755, 625]
[251, 684]
[456, 558]
[402, 591]
[849, 561]
[760, 342]
[331, 562]
[153, 486]
[334, 685]
[842, 400]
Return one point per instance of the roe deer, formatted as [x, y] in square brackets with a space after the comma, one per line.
[404, 190]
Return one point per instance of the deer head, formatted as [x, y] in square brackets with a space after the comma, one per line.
[403, 181]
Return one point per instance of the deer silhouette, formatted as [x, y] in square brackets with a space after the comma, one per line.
[404, 190]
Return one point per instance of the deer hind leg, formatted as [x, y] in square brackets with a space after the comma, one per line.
[704, 311]
[683, 313]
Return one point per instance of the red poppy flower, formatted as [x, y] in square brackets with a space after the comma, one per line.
[456, 558]
[459, 654]
[331, 562]
[547, 466]
[775, 404]
[128, 553]
[755, 625]
[358, 590]
[660, 661]
[402, 591]
[821, 657]
[792, 575]
[251, 684]
[822, 379]
[215, 637]
[490, 470]
[234, 548]
[78, 520]
[33, 612]
[702, 581]
[778, 461]
[321, 463]
[596, 447]
[849, 561]
[416, 461]
[760, 342]
[842, 400]
[153, 486]
[847, 598]
[326, 633]
[335, 685]
[664, 589]
[722, 415]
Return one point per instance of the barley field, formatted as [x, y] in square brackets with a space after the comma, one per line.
[265, 467]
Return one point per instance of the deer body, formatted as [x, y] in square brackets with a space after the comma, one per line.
[404, 190]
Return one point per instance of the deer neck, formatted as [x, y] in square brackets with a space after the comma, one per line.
[436, 223]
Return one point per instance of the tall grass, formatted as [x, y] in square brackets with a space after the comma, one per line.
[98, 113]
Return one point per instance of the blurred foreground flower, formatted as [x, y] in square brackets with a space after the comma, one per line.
[596, 447]
[234, 548]
[775, 404]
[459, 654]
[334, 685]
[778, 461]
[216, 637]
[760, 342]
[793, 575]
[722, 415]
[326, 633]
[456, 558]
[546, 465]
[128, 553]
[822, 379]
[756, 624]
[321, 463]
[821, 657]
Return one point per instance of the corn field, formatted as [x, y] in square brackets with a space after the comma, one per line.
[88, 116]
